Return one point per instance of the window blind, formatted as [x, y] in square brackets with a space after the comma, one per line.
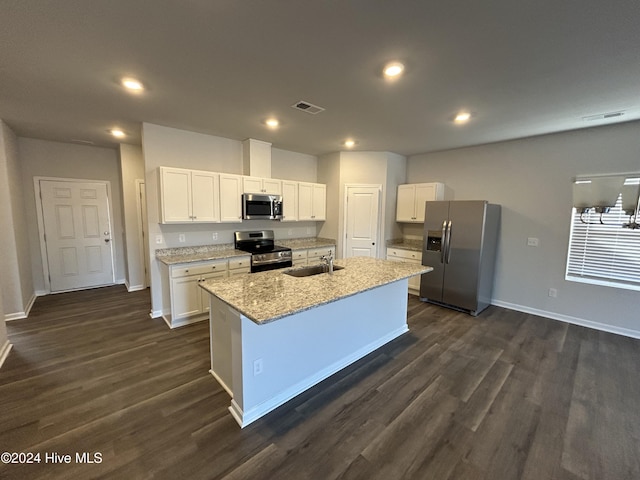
[604, 254]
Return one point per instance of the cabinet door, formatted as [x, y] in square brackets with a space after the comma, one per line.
[305, 201]
[424, 192]
[204, 295]
[319, 202]
[175, 195]
[272, 186]
[405, 209]
[205, 196]
[230, 198]
[185, 297]
[252, 185]
[289, 201]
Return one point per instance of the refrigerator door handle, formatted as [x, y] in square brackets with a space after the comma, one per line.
[448, 255]
[443, 242]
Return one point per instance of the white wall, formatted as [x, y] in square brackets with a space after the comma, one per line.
[372, 168]
[15, 262]
[132, 169]
[170, 147]
[65, 160]
[531, 179]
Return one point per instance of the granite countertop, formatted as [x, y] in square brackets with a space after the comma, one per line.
[267, 296]
[173, 256]
[413, 245]
[305, 243]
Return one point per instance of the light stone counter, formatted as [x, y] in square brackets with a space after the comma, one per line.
[173, 256]
[267, 296]
[412, 245]
[306, 243]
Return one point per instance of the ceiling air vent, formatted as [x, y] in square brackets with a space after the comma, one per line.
[307, 107]
[603, 116]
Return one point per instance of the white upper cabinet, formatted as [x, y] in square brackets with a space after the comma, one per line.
[231, 190]
[270, 186]
[188, 196]
[411, 200]
[312, 201]
[289, 201]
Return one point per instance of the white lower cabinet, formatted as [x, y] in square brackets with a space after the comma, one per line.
[299, 258]
[411, 256]
[188, 303]
[315, 254]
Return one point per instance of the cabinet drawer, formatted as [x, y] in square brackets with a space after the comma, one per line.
[239, 271]
[320, 251]
[198, 268]
[298, 254]
[242, 262]
[408, 254]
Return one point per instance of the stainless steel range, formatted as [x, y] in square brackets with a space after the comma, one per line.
[265, 254]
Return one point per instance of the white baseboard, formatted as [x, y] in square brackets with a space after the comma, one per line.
[627, 332]
[155, 313]
[219, 380]
[135, 288]
[4, 352]
[18, 315]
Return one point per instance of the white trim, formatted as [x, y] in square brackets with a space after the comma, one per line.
[155, 313]
[140, 184]
[245, 418]
[627, 332]
[135, 288]
[19, 315]
[224, 385]
[40, 215]
[4, 352]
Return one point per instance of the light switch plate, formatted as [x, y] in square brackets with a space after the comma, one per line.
[533, 242]
[158, 239]
[181, 238]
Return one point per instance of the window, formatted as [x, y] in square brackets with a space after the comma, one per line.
[604, 254]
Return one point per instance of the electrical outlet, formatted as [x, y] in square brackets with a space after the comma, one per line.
[290, 232]
[257, 367]
[533, 242]
[214, 235]
[553, 293]
[159, 239]
[181, 238]
[308, 231]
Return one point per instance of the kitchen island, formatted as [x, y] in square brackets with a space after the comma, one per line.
[274, 336]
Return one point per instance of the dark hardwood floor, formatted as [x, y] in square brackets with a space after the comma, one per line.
[503, 396]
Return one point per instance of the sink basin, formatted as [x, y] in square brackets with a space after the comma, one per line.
[311, 270]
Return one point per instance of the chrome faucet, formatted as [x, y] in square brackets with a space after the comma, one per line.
[328, 260]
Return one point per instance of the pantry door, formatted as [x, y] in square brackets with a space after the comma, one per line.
[362, 222]
[77, 234]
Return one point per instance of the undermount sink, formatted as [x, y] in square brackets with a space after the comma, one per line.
[311, 270]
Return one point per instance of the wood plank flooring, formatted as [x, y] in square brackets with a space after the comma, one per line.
[503, 396]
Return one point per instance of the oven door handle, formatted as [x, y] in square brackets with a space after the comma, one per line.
[267, 262]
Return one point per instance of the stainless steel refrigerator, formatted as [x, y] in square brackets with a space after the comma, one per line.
[460, 240]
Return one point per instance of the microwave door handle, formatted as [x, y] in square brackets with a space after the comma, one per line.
[443, 241]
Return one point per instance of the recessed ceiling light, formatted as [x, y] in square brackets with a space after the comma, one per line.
[349, 143]
[393, 69]
[272, 122]
[462, 117]
[132, 84]
[116, 132]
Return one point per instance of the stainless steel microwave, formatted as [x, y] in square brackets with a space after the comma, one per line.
[258, 206]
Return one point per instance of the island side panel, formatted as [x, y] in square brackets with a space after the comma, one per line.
[221, 324]
[298, 351]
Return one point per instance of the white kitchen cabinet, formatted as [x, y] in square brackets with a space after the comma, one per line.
[411, 200]
[411, 256]
[289, 201]
[239, 266]
[231, 189]
[188, 196]
[314, 255]
[312, 201]
[299, 258]
[268, 186]
[189, 303]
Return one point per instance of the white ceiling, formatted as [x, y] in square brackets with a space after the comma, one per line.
[221, 67]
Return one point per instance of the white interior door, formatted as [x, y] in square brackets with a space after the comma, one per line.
[77, 232]
[362, 221]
